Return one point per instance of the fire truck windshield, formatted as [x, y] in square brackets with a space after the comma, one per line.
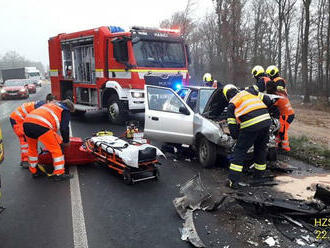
[159, 54]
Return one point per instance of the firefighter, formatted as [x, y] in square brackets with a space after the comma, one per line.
[277, 84]
[41, 125]
[286, 118]
[208, 80]
[16, 119]
[262, 79]
[248, 122]
[278, 87]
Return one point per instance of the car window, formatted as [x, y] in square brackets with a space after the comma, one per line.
[163, 100]
[205, 95]
[192, 99]
[182, 93]
[14, 83]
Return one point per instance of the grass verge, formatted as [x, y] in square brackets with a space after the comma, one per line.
[304, 149]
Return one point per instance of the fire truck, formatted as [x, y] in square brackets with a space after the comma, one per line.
[106, 68]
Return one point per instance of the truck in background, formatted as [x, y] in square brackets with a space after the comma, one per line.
[22, 73]
[106, 68]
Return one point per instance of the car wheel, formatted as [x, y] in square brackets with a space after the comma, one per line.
[116, 110]
[207, 153]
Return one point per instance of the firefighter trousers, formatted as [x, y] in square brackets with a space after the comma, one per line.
[282, 138]
[18, 130]
[247, 139]
[51, 141]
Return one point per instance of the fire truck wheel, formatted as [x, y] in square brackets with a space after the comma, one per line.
[116, 111]
[127, 177]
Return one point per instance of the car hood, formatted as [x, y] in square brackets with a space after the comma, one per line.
[12, 88]
[215, 106]
[212, 130]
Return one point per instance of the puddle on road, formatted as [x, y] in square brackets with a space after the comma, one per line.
[303, 187]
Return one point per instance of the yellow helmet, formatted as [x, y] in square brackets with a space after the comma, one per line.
[228, 87]
[257, 70]
[272, 70]
[207, 77]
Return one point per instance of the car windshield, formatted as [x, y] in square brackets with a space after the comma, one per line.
[34, 74]
[205, 95]
[159, 54]
[15, 83]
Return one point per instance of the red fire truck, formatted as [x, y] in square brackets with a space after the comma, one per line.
[106, 68]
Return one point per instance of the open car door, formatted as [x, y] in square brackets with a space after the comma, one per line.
[167, 117]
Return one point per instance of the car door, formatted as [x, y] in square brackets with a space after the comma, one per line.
[167, 117]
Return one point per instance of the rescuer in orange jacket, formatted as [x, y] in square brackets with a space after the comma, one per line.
[278, 86]
[248, 121]
[41, 125]
[16, 119]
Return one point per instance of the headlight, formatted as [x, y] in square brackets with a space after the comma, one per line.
[22, 90]
[137, 94]
[3, 91]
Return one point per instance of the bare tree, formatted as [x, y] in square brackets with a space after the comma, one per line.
[304, 68]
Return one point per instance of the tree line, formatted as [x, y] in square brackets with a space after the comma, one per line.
[12, 59]
[238, 34]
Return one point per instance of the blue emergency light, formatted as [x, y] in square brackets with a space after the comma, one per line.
[116, 29]
[177, 86]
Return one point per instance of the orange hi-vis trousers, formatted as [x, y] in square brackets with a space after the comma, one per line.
[282, 138]
[18, 130]
[51, 141]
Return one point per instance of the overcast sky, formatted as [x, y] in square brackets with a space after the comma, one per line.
[26, 25]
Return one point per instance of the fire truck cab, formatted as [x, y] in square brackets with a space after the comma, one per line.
[106, 68]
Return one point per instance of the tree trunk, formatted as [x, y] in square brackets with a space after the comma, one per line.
[305, 52]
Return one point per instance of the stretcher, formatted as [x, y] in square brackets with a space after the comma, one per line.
[133, 160]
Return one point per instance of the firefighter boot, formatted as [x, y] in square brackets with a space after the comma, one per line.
[60, 177]
[24, 164]
[232, 184]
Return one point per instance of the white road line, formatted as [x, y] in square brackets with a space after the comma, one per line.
[78, 219]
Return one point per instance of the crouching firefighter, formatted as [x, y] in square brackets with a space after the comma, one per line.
[41, 125]
[16, 119]
[248, 121]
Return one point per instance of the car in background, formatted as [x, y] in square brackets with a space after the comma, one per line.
[14, 88]
[193, 116]
[31, 86]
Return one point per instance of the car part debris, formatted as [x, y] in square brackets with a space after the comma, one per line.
[188, 232]
[323, 194]
[270, 241]
[195, 196]
[283, 206]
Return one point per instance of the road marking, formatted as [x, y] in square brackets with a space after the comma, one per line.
[78, 219]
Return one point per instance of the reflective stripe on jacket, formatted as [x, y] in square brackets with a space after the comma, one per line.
[22, 111]
[245, 102]
[48, 115]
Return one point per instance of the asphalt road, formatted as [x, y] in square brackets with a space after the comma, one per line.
[97, 209]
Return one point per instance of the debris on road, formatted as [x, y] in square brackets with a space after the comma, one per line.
[323, 193]
[188, 232]
[270, 241]
[195, 197]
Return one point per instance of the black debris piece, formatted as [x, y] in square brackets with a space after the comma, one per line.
[323, 194]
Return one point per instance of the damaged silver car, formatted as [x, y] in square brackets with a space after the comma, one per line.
[192, 116]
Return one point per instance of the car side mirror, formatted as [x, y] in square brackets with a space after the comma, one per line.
[184, 110]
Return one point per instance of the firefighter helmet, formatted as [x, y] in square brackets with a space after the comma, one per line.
[207, 77]
[257, 70]
[227, 88]
[272, 70]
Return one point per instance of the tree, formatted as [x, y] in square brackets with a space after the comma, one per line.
[304, 68]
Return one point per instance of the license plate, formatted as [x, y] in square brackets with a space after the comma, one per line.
[12, 94]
